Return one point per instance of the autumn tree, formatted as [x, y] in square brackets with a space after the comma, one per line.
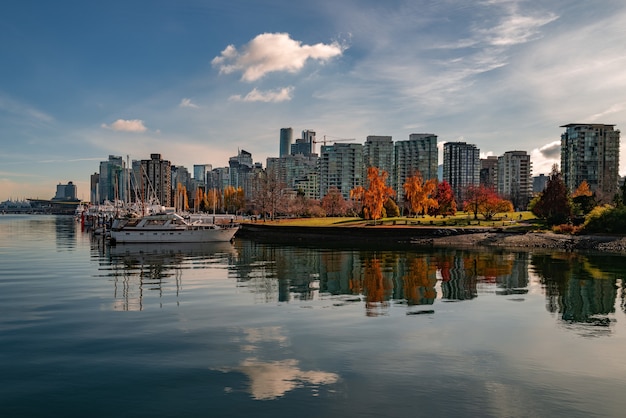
[211, 201]
[357, 195]
[494, 204]
[484, 200]
[420, 194]
[446, 204]
[554, 203]
[376, 194]
[181, 202]
[583, 198]
[333, 203]
[234, 199]
[475, 196]
[391, 208]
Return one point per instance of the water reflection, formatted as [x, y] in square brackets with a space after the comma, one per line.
[581, 288]
[139, 268]
[379, 278]
[271, 379]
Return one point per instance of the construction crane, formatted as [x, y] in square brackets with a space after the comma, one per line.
[332, 139]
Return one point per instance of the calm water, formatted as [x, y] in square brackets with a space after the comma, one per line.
[257, 330]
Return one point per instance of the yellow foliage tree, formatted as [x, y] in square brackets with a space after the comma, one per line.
[376, 194]
[419, 194]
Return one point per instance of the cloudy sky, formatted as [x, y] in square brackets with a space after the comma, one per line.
[197, 80]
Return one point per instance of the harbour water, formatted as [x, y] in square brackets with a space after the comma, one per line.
[254, 329]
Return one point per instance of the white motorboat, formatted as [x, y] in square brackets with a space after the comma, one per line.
[167, 228]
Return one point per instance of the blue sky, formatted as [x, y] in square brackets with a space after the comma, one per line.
[198, 80]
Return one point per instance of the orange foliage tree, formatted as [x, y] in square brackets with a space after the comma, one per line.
[376, 194]
[357, 195]
[446, 205]
[583, 198]
[420, 194]
[484, 200]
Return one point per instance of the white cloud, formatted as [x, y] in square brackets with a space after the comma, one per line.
[272, 52]
[273, 96]
[545, 157]
[121, 125]
[188, 103]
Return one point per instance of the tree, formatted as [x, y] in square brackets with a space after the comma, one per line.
[376, 194]
[493, 205]
[446, 204]
[268, 192]
[234, 199]
[420, 194]
[391, 209]
[554, 203]
[475, 196]
[583, 198]
[357, 195]
[484, 200]
[333, 203]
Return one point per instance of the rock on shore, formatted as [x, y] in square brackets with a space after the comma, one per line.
[546, 240]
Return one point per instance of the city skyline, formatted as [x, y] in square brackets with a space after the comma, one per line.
[196, 81]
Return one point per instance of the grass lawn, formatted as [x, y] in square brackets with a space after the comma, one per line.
[461, 219]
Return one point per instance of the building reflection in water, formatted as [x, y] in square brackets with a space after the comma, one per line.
[376, 277]
[154, 269]
[582, 289]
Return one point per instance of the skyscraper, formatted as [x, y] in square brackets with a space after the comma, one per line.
[515, 178]
[419, 153]
[461, 167]
[286, 140]
[590, 152]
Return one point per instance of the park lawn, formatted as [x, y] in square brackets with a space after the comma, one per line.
[461, 219]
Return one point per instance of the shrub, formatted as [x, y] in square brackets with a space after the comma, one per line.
[566, 229]
[606, 218]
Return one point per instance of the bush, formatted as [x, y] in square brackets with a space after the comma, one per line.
[606, 218]
[566, 229]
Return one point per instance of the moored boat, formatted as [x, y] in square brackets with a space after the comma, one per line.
[167, 228]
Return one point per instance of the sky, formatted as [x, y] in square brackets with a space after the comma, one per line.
[197, 81]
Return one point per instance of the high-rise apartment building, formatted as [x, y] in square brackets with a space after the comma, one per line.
[488, 171]
[590, 152]
[292, 169]
[156, 180]
[461, 167]
[378, 152]
[341, 166]
[515, 178]
[419, 153]
[286, 140]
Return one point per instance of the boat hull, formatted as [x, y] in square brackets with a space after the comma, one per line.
[145, 236]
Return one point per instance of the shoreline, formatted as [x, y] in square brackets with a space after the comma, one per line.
[441, 237]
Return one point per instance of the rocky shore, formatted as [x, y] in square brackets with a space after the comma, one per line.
[546, 240]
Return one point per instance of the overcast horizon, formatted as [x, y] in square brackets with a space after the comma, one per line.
[197, 80]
